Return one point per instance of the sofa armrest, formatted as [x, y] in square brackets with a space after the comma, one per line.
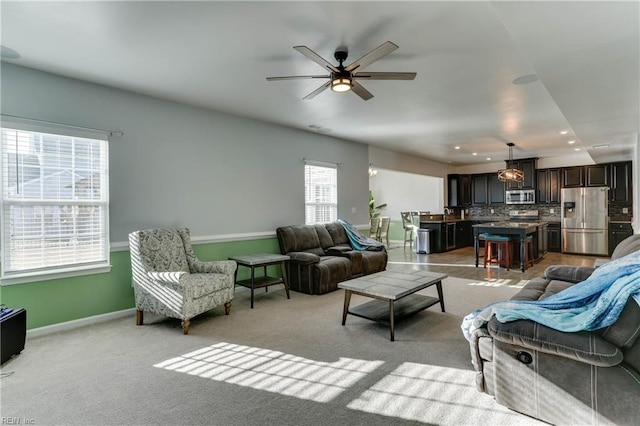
[583, 346]
[572, 274]
[168, 278]
[303, 257]
[599, 262]
[479, 339]
[226, 267]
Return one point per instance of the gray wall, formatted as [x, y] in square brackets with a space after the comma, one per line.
[178, 165]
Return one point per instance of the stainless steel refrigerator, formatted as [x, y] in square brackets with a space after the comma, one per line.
[585, 220]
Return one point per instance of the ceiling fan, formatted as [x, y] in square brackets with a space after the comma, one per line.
[344, 78]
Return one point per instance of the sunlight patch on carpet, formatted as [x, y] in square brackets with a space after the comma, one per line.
[431, 394]
[272, 371]
[461, 265]
[500, 282]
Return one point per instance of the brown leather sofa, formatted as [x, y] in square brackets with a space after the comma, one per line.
[586, 377]
[321, 257]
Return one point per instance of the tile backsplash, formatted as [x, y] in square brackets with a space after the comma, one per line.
[616, 211]
[548, 212]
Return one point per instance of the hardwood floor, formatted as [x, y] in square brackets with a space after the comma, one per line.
[461, 263]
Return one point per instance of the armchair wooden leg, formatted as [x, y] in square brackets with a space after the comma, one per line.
[139, 316]
[185, 326]
[227, 308]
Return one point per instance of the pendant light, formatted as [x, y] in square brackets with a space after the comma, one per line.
[510, 174]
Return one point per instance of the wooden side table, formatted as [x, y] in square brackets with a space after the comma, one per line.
[262, 260]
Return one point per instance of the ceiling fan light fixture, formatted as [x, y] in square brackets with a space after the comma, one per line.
[341, 84]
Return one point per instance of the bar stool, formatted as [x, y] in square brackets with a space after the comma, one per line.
[482, 237]
[502, 245]
[528, 252]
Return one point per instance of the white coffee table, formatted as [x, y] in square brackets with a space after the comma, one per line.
[394, 294]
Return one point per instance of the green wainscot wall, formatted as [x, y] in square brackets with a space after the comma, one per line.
[67, 299]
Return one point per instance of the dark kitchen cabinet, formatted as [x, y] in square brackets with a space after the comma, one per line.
[596, 175]
[617, 233]
[436, 236]
[459, 190]
[486, 188]
[495, 188]
[479, 193]
[548, 186]
[614, 175]
[528, 167]
[620, 175]
[573, 177]
[446, 236]
[554, 237]
[450, 236]
[464, 234]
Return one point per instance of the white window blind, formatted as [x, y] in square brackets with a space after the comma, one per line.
[55, 203]
[321, 194]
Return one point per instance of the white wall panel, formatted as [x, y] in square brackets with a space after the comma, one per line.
[407, 192]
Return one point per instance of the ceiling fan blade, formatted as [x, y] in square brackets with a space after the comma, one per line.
[318, 90]
[377, 53]
[385, 75]
[297, 77]
[316, 58]
[359, 90]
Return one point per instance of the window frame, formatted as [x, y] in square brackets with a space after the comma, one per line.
[76, 266]
[323, 197]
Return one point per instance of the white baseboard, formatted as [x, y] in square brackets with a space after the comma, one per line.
[96, 319]
[70, 325]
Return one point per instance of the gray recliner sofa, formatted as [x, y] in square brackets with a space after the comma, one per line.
[322, 257]
[587, 377]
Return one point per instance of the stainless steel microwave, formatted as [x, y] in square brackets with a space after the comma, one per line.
[520, 196]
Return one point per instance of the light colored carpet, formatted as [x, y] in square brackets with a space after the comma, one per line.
[285, 362]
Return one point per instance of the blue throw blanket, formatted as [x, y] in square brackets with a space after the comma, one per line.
[359, 241]
[589, 305]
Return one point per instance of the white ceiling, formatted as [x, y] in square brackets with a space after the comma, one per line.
[466, 54]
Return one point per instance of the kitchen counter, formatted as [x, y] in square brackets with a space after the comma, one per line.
[487, 218]
[445, 220]
[510, 224]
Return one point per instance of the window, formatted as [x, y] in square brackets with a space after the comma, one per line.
[320, 194]
[55, 203]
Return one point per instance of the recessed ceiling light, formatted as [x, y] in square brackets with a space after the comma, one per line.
[456, 147]
[564, 132]
[488, 158]
[525, 79]
[571, 142]
[576, 149]
[475, 153]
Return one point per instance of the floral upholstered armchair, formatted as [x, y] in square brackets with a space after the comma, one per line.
[169, 280]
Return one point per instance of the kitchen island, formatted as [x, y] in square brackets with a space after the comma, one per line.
[520, 230]
[447, 233]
